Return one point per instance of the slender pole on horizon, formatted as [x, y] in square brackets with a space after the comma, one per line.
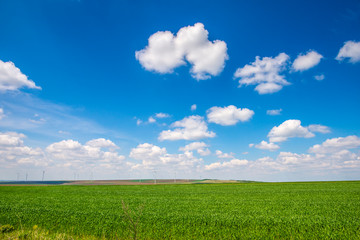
[26, 177]
[43, 176]
[154, 176]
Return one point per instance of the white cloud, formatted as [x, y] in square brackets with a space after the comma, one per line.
[161, 55]
[289, 129]
[2, 115]
[274, 112]
[102, 143]
[307, 61]
[14, 152]
[189, 128]
[265, 73]
[73, 154]
[325, 160]
[230, 115]
[336, 145]
[11, 78]
[162, 115]
[266, 164]
[319, 77]
[220, 154]
[151, 120]
[147, 151]
[11, 139]
[350, 50]
[267, 146]
[193, 146]
[319, 128]
[152, 156]
[229, 164]
[293, 158]
[193, 107]
[165, 52]
[204, 151]
[200, 147]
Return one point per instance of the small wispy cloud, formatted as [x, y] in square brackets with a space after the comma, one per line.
[319, 77]
[274, 112]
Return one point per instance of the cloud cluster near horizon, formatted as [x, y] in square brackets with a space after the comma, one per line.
[102, 154]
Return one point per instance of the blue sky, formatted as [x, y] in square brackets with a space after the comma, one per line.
[121, 89]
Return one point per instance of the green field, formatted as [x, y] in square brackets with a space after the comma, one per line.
[317, 210]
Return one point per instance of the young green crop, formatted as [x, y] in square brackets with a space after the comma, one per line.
[329, 210]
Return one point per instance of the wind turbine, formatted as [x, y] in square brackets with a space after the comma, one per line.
[154, 172]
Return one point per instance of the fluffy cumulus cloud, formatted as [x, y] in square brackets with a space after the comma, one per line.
[333, 154]
[189, 128]
[147, 152]
[289, 129]
[72, 154]
[350, 51]
[154, 157]
[102, 143]
[292, 128]
[286, 158]
[274, 112]
[336, 145]
[234, 163]
[221, 154]
[265, 73]
[11, 78]
[200, 147]
[230, 115]
[166, 51]
[266, 146]
[306, 61]
[13, 152]
[59, 155]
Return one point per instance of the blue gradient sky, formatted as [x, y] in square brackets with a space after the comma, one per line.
[82, 55]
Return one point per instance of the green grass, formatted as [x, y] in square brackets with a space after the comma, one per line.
[318, 210]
